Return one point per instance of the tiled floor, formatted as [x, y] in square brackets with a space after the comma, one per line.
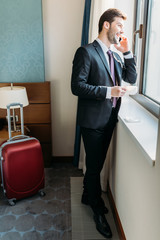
[83, 226]
[36, 218]
[49, 218]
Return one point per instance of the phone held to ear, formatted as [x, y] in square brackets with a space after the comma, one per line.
[121, 39]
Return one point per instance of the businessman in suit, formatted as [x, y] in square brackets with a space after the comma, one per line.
[96, 79]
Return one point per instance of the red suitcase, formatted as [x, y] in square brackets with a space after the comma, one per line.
[22, 168]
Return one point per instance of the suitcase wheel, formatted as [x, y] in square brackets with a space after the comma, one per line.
[12, 202]
[42, 193]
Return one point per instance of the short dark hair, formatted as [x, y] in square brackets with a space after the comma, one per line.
[109, 16]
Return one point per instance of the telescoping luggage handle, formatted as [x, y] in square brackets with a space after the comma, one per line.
[9, 117]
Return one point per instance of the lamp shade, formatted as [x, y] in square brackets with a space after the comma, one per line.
[13, 94]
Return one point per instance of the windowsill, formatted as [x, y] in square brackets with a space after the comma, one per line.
[142, 125]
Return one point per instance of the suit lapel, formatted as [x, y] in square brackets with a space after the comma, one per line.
[101, 54]
[116, 61]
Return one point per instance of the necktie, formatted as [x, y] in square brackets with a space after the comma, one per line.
[111, 63]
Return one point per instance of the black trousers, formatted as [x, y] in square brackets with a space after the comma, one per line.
[96, 144]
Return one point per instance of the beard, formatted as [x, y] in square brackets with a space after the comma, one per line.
[112, 37]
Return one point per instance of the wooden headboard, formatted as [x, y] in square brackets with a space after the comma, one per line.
[37, 115]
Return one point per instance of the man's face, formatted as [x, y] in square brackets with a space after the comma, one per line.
[115, 30]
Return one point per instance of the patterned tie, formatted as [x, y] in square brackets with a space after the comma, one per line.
[111, 63]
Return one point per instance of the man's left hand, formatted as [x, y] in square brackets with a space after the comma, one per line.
[123, 45]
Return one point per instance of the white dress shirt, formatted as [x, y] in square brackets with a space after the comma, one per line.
[105, 49]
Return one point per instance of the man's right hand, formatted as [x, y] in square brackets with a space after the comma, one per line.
[118, 91]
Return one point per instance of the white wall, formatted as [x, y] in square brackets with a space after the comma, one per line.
[133, 181]
[135, 186]
[62, 25]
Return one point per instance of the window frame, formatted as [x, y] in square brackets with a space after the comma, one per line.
[141, 98]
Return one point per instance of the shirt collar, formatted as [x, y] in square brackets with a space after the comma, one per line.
[103, 46]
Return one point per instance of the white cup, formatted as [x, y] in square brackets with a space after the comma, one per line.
[131, 90]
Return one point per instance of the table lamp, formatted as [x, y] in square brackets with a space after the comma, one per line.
[13, 94]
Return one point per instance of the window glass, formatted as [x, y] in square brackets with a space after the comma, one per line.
[151, 86]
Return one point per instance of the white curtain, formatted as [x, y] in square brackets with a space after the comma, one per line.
[97, 9]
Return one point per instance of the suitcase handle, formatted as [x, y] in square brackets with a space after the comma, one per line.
[9, 118]
[18, 137]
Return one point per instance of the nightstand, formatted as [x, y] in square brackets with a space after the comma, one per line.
[4, 134]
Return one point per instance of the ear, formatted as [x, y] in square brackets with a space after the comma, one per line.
[106, 25]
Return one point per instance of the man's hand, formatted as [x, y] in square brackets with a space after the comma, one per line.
[123, 45]
[118, 91]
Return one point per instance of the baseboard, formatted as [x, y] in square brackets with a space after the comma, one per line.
[62, 159]
[115, 215]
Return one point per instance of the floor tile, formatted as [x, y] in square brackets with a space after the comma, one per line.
[83, 226]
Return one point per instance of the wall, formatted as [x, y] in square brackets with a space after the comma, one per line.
[135, 186]
[21, 41]
[62, 23]
[133, 181]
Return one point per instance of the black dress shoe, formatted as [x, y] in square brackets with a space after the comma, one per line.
[102, 225]
[85, 201]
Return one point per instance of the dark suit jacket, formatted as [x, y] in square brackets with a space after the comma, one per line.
[90, 76]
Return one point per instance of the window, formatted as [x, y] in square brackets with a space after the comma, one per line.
[151, 86]
[147, 50]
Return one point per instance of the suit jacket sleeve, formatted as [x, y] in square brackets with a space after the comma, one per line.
[129, 73]
[80, 74]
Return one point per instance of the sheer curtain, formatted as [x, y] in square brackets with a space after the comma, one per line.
[97, 8]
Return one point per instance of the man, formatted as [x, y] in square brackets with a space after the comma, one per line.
[96, 80]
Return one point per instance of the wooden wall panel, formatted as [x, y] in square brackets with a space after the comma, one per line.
[37, 113]
[37, 92]
[41, 131]
[47, 154]
[3, 113]
[33, 113]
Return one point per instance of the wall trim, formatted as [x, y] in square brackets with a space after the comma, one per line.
[62, 159]
[115, 214]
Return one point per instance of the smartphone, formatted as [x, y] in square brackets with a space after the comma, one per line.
[122, 38]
